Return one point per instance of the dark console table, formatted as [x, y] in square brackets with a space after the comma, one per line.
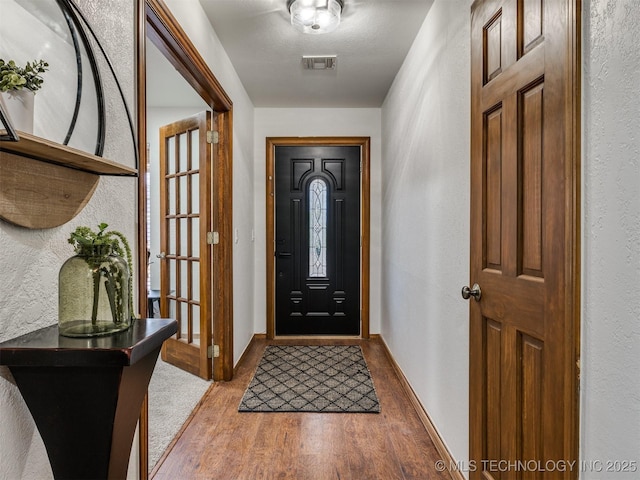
[85, 394]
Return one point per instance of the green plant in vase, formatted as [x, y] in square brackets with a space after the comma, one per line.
[14, 77]
[96, 297]
[18, 86]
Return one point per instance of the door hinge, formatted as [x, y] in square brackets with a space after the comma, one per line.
[213, 351]
[212, 136]
[213, 238]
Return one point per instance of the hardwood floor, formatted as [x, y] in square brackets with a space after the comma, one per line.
[219, 443]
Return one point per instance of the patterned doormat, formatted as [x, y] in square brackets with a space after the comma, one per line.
[327, 378]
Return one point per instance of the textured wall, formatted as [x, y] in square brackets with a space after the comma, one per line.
[611, 236]
[425, 219]
[31, 260]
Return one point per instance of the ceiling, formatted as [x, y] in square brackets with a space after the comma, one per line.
[266, 51]
[162, 77]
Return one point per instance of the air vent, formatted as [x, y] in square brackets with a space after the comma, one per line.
[319, 62]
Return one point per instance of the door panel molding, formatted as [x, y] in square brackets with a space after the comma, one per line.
[525, 233]
[364, 144]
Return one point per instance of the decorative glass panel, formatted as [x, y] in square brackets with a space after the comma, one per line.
[184, 194]
[172, 236]
[184, 238]
[195, 193]
[171, 272]
[195, 281]
[318, 228]
[194, 163]
[183, 285]
[171, 155]
[195, 237]
[171, 188]
[195, 315]
[184, 158]
[184, 317]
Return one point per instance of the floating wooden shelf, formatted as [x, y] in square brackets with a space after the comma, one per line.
[44, 184]
[47, 151]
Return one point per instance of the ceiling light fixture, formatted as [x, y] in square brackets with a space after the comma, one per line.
[315, 16]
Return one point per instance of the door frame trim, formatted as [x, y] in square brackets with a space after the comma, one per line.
[155, 19]
[365, 208]
[165, 32]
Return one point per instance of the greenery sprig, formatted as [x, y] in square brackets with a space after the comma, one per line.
[88, 243]
[13, 77]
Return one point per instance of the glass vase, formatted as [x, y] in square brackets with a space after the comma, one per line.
[94, 291]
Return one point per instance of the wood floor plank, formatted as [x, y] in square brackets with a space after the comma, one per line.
[221, 443]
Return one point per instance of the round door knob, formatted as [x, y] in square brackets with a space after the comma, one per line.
[161, 255]
[474, 292]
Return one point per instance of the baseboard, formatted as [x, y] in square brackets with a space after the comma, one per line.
[422, 414]
[256, 337]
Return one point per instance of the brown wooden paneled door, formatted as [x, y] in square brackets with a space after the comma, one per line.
[185, 206]
[524, 238]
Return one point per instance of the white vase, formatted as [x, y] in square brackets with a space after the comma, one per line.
[18, 104]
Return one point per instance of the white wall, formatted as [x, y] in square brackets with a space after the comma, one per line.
[315, 122]
[425, 227]
[193, 20]
[425, 219]
[31, 259]
[610, 383]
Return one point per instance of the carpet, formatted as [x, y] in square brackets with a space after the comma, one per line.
[296, 378]
[173, 394]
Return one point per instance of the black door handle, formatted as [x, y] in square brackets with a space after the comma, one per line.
[283, 254]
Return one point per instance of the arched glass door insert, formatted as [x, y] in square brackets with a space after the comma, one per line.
[318, 228]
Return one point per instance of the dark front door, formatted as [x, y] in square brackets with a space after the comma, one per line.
[317, 240]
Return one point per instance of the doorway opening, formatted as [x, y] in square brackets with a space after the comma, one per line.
[157, 25]
[318, 236]
[163, 30]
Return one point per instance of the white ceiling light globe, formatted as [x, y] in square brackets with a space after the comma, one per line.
[315, 16]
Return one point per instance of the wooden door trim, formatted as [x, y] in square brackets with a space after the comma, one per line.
[155, 20]
[142, 263]
[573, 226]
[167, 34]
[365, 199]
